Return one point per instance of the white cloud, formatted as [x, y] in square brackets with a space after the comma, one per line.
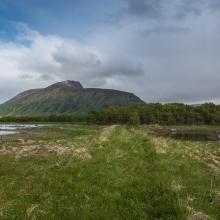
[171, 59]
[37, 60]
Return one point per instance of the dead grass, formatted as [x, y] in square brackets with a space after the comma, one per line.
[106, 133]
[195, 215]
[199, 151]
[175, 186]
[59, 149]
[161, 144]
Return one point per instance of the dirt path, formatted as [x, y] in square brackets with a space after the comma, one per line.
[106, 133]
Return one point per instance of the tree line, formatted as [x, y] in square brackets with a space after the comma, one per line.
[42, 119]
[164, 114]
[156, 113]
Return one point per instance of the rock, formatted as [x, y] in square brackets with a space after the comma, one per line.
[21, 141]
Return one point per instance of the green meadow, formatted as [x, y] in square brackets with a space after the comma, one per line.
[115, 172]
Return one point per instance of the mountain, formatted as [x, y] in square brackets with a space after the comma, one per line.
[67, 97]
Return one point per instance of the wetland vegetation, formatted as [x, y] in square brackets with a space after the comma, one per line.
[108, 172]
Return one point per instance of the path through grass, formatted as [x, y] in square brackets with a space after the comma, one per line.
[86, 172]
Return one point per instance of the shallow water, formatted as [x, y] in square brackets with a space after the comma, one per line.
[2, 133]
[8, 129]
[195, 136]
[189, 135]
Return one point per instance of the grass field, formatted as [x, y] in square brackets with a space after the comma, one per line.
[112, 172]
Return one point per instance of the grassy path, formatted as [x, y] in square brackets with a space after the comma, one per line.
[82, 172]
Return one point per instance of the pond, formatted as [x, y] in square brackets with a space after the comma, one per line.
[193, 135]
[8, 129]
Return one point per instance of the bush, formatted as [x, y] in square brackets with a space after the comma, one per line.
[134, 119]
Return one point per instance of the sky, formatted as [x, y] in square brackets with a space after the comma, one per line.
[161, 50]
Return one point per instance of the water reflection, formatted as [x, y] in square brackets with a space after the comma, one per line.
[195, 136]
[2, 133]
[189, 134]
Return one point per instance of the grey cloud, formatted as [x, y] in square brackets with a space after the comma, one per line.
[46, 77]
[172, 9]
[195, 7]
[175, 58]
[80, 61]
[180, 57]
[54, 58]
[11, 87]
[25, 76]
[149, 8]
[213, 4]
[169, 29]
[7, 93]
[76, 60]
[190, 92]
[91, 65]
[122, 67]
[188, 7]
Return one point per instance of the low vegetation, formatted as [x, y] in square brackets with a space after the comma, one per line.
[107, 172]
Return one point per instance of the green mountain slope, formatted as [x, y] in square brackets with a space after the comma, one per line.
[66, 97]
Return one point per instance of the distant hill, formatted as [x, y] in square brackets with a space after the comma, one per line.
[68, 97]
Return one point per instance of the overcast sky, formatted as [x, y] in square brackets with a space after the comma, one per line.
[161, 50]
